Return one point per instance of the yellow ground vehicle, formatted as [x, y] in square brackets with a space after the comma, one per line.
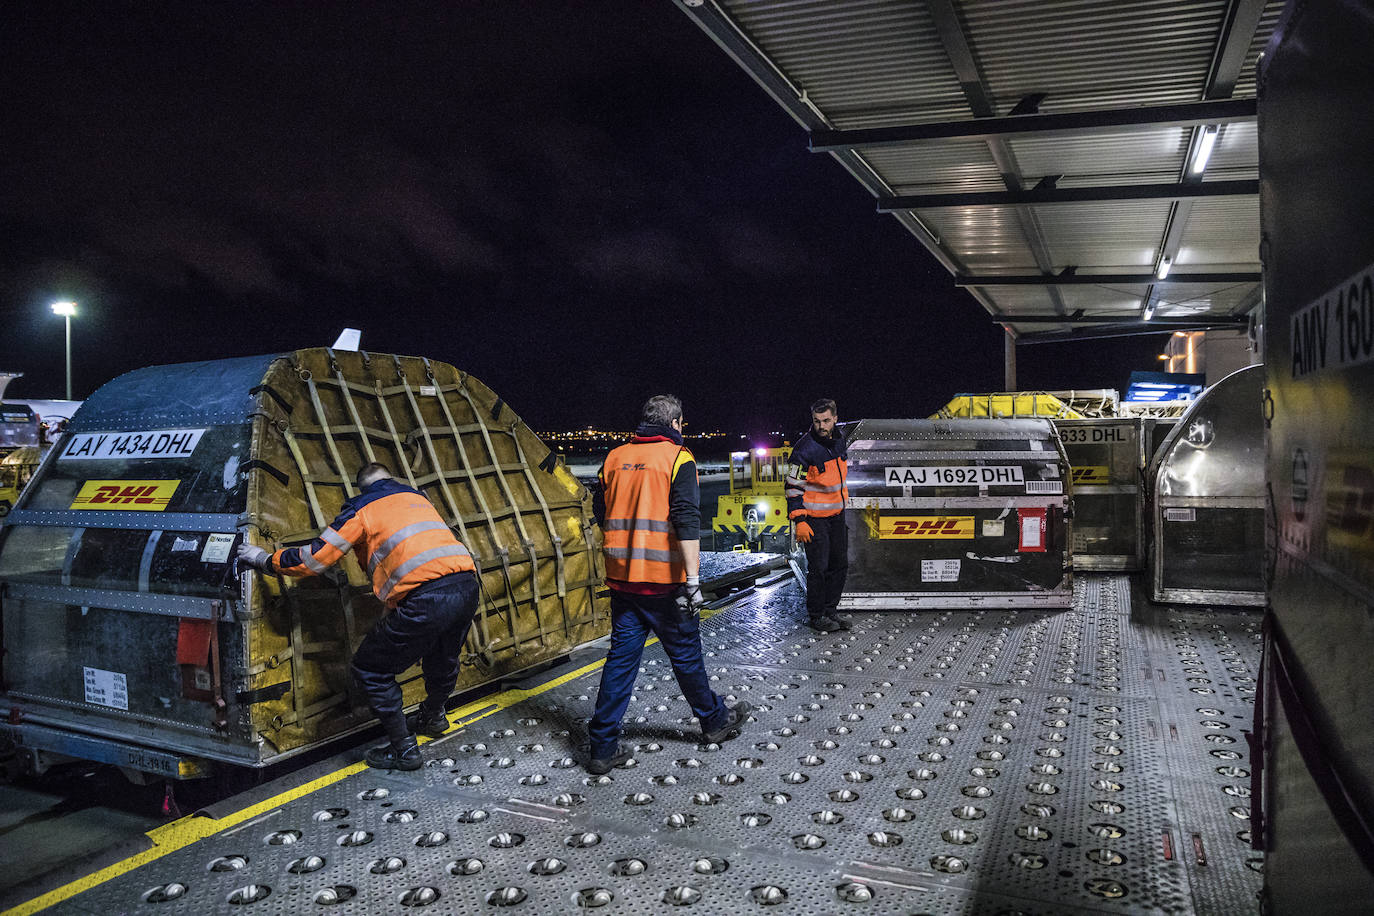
[15, 470]
[753, 515]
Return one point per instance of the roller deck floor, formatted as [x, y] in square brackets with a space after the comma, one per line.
[1089, 760]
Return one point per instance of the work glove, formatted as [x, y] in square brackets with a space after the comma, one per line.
[255, 557]
[690, 599]
[804, 533]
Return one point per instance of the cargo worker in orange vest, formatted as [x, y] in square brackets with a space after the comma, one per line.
[426, 579]
[815, 485]
[648, 510]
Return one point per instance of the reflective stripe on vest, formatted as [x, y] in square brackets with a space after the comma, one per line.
[640, 543]
[825, 489]
[415, 562]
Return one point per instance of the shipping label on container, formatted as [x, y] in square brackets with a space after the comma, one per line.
[217, 548]
[1045, 486]
[126, 495]
[1091, 474]
[106, 688]
[1180, 515]
[1082, 434]
[919, 527]
[1002, 475]
[148, 443]
[1336, 331]
[939, 570]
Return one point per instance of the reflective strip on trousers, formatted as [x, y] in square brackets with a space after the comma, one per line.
[385, 548]
[415, 562]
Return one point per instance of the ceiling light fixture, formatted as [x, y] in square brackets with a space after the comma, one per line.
[1204, 149]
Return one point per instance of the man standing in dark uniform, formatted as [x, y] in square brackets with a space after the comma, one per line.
[649, 513]
[816, 495]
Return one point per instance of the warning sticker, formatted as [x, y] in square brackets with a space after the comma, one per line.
[939, 527]
[217, 548]
[148, 443]
[126, 495]
[1091, 474]
[939, 570]
[106, 688]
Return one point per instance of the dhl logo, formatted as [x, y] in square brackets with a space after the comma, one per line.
[945, 527]
[1091, 474]
[126, 495]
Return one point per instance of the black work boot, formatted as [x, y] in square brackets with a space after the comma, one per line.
[840, 622]
[824, 624]
[733, 720]
[600, 766]
[392, 756]
[426, 722]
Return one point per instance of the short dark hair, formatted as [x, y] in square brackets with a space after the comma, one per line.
[661, 410]
[824, 404]
[369, 472]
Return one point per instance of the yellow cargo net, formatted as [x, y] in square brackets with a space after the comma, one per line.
[1007, 404]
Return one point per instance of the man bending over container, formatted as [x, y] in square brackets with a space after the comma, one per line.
[815, 484]
[426, 579]
[648, 511]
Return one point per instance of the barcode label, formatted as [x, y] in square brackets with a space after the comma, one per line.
[1044, 486]
[1179, 515]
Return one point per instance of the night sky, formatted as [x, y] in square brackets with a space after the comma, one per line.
[582, 204]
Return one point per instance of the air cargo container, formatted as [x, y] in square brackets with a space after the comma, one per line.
[958, 513]
[132, 637]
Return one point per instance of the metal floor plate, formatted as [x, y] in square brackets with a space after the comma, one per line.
[991, 761]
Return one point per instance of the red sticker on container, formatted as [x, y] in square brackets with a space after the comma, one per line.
[1032, 526]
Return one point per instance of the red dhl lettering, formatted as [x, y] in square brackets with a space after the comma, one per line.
[124, 495]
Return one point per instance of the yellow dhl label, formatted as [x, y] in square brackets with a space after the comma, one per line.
[126, 495]
[947, 527]
[1091, 474]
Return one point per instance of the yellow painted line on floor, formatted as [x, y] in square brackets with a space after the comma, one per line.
[181, 833]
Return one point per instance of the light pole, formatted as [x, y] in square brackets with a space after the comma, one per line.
[67, 310]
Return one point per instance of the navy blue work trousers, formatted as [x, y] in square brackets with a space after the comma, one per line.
[827, 564]
[429, 626]
[633, 618]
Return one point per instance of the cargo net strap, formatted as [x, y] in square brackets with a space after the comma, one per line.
[408, 434]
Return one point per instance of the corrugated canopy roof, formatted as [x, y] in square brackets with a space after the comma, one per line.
[1045, 151]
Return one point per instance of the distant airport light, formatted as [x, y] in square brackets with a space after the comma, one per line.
[1204, 149]
[67, 310]
[760, 452]
[1164, 266]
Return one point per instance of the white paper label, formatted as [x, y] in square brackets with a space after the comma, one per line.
[939, 570]
[106, 688]
[1044, 486]
[1003, 475]
[217, 548]
[1180, 515]
[1030, 531]
[994, 527]
[428, 391]
[181, 544]
[146, 443]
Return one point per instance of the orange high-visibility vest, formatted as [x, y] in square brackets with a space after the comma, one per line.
[402, 540]
[641, 543]
[823, 489]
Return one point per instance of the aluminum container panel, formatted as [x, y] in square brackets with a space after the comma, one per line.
[1208, 498]
[1108, 462]
[1316, 198]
